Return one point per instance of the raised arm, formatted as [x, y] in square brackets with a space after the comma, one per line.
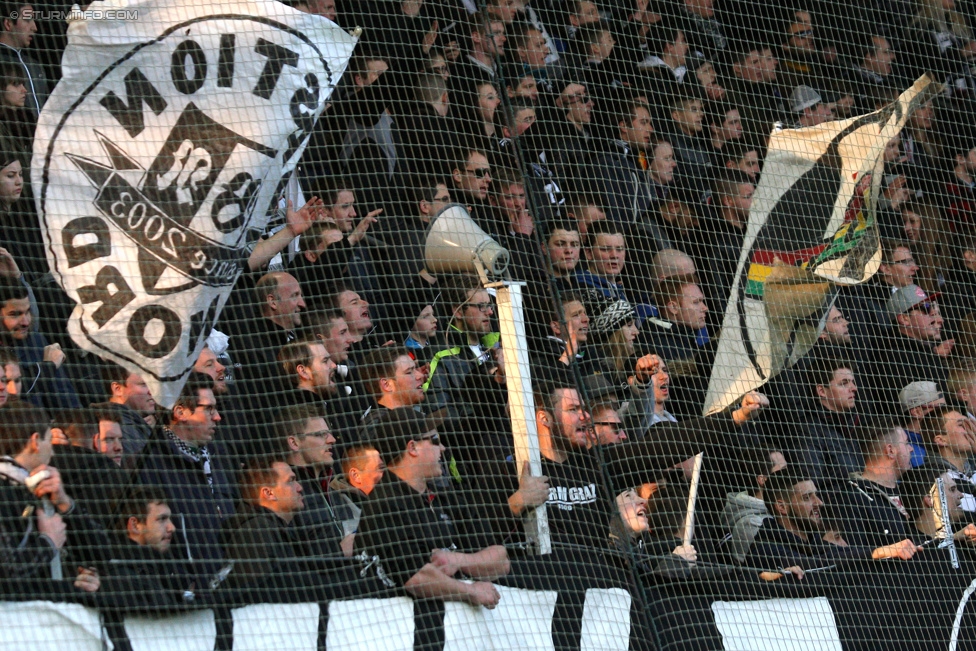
[666, 444]
[296, 223]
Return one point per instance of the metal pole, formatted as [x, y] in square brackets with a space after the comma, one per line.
[521, 405]
[692, 498]
[949, 541]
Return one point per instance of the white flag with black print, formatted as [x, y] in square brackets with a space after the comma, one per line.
[159, 157]
[812, 227]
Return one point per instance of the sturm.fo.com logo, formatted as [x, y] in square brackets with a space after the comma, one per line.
[73, 14]
[160, 176]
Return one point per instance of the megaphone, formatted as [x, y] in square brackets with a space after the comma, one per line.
[456, 244]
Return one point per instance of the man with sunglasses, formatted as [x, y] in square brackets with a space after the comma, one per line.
[472, 181]
[571, 160]
[914, 350]
[801, 61]
[422, 541]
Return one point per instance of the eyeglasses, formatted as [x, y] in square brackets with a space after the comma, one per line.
[434, 438]
[482, 307]
[925, 306]
[209, 410]
[480, 172]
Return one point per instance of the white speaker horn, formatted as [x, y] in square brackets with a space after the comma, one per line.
[456, 244]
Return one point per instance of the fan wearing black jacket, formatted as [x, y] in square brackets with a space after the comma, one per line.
[264, 543]
[144, 569]
[793, 539]
[36, 513]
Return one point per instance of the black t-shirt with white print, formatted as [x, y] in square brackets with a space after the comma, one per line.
[577, 509]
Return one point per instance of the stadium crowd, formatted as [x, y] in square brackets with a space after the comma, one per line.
[347, 423]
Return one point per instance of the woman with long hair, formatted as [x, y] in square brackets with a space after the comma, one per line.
[925, 226]
[612, 333]
[19, 233]
[611, 340]
[946, 26]
[18, 122]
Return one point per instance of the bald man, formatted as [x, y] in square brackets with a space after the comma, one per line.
[258, 331]
[672, 262]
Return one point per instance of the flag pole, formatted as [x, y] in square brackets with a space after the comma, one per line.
[949, 541]
[692, 498]
[518, 382]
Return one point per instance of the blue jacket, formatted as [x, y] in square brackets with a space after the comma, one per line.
[45, 385]
[612, 290]
[197, 511]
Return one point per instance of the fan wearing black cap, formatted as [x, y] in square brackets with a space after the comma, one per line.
[423, 541]
[915, 350]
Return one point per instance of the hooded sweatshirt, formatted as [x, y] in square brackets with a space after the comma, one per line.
[743, 515]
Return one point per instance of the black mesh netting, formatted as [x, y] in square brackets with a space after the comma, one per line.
[488, 324]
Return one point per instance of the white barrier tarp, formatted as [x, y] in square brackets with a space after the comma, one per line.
[606, 620]
[522, 620]
[48, 626]
[190, 631]
[777, 625]
[271, 627]
[374, 624]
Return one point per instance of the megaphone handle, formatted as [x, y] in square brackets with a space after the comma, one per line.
[482, 273]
